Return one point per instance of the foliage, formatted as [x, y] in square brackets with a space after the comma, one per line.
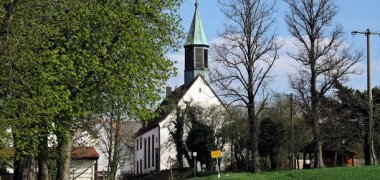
[201, 140]
[191, 132]
[355, 125]
[279, 110]
[271, 138]
[178, 135]
[236, 134]
[63, 61]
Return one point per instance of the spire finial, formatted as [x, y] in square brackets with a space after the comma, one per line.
[196, 3]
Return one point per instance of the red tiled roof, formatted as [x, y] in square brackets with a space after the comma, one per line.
[84, 153]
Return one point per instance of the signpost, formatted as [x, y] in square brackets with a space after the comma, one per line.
[170, 161]
[195, 163]
[217, 154]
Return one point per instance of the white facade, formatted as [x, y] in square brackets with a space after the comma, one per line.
[199, 93]
[146, 147]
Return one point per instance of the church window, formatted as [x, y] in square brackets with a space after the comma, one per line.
[149, 152]
[152, 150]
[144, 153]
[199, 57]
[205, 56]
[189, 63]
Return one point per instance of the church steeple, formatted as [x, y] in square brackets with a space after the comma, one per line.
[196, 34]
[196, 50]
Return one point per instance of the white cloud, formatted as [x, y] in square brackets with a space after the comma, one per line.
[179, 60]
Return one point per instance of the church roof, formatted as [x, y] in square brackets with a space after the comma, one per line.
[166, 107]
[196, 34]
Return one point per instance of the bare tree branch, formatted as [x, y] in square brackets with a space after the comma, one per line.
[323, 56]
[245, 58]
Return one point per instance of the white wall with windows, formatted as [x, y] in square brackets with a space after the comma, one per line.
[198, 93]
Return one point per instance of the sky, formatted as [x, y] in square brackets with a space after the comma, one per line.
[353, 15]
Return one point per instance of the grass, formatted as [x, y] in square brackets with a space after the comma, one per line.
[341, 173]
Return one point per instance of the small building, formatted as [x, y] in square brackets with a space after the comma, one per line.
[332, 156]
[84, 163]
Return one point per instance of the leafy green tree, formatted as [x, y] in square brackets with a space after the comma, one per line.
[355, 102]
[30, 92]
[201, 140]
[64, 61]
[271, 137]
[178, 135]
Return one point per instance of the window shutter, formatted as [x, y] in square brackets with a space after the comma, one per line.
[198, 57]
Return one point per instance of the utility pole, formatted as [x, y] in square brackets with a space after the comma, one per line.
[292, 165]
[371, 159]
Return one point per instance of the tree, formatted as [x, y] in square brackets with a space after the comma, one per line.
[177, 133]
[64, 61]
[323, 57]
[245, 57]
[30, 93]
[201, 140]
[355, 102]
[116, 141]
[196, 128]
[235, 131]
[270, 140]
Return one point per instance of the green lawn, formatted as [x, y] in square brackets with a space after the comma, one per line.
[362, 172]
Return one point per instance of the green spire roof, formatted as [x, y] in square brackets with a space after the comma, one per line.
[196, 34]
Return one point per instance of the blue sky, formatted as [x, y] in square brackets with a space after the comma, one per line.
[352, 15]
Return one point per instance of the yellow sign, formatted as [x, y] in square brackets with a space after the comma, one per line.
[216, 154]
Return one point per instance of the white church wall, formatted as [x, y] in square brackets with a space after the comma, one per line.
[198, 94]
[167, 147]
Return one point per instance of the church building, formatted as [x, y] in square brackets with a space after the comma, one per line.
[153, 150]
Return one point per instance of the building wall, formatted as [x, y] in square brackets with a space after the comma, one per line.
[82, 169]
[167, 147]
[146, 146]
[199, 93]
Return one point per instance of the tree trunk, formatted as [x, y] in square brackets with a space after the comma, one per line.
[273, 161]
[43, 155]
[113, 163]
[318, 163]
[253, 132]
[65, 142]
[318, 154]
[335, 158]
[24, 168]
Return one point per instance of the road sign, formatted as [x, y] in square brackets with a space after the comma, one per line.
[216, 154]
